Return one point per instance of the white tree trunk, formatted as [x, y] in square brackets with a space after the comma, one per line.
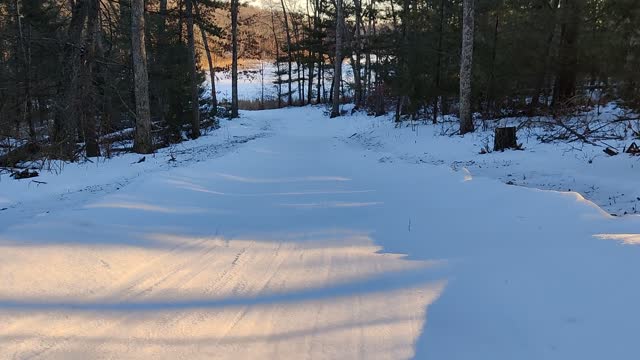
[143, 142]
[466, 65]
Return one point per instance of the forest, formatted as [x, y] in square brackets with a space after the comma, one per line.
[77, 74]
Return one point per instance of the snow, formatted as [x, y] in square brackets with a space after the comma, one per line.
[8, 143]
[251, 82]
[610, 182]
[279, 236]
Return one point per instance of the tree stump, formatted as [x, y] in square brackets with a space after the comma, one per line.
[505, 138]
[633, 149]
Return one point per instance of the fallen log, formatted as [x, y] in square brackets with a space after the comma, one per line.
[26, 152]
[24, 174]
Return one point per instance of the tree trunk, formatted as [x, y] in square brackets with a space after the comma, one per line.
[505, 138]
[212, 72]
[299, 68]
[466, 66]
[193, 70]
[320, 53]
[367, 88]
[631, 65]
[275, 39]
[494, 52]
[438, 63]
[289, 59]
[310, 81]
[565, 84]
[180, 20]
[261, 84]
[357, 52]
[102, 71]
[234, 58]
[333, 82]
[67, 109]
[310, 55]
[25, 47]
[163, 14]
[143, 142]
[162, 94]
[542, 76]
[89, 110]
[541, 81]
[337, 74]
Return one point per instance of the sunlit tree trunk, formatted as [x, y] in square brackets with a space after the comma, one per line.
[212, 72]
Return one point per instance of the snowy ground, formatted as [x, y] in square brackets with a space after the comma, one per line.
[610, 182]
[277, 237]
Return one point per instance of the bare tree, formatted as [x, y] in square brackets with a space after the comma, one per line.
[466, 66]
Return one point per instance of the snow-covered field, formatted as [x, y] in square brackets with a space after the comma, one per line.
[278, 236]
[258, 78]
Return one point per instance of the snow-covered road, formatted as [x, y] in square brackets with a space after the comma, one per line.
[287, 247]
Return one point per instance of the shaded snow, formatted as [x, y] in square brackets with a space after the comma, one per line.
[610, 182]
